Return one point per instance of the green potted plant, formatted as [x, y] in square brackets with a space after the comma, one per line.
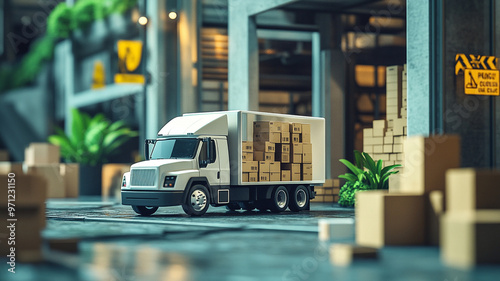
[90, 142]
[366, 174]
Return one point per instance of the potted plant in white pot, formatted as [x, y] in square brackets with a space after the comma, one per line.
[90, 142]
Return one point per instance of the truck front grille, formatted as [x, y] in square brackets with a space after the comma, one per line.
[142, 177]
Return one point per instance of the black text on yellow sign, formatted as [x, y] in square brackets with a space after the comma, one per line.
[129, 59]
[481, 82]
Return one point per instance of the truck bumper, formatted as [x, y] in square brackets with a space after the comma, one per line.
[152, 198]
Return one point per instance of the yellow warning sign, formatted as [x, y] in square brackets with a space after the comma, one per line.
[98, 76]
[481, 82]
[129, 59]
[463, 61]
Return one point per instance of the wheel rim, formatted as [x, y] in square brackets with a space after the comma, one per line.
[281, 199]
[301, 198]
[198, 200]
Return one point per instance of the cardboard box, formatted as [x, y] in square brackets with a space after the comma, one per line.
[296, 177]
[253, 177]
[247, 156]
[266, 126]
[285, 127]
[263, 176]
[307, 177]
[249, 166]
[307, 147]
[282, 157]
[389, 219]
[282, 148]
[434, 209]
[112, 176]
[307, 157]
[53, 178]
[296, 158]
[275, 176]
[306, 129]
[285, 137]
[8, 167]
[285, 175]
[244, 177]
[295, 138]
[41, 153]
[264, 166]
[426, 161]
[306, 138]
[471, 189]
[4, 155]
[274, 137]
[296, 128]
[247, 146]
[344, 254]
[264, 146]
[263, 156]
[71, 176]
[470, 238]
[274, 167]
[296, 148]
[337, 228]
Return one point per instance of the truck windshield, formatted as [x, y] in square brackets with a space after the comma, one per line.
[174, 149]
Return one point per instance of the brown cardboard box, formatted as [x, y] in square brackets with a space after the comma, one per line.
[344, 254]
[247, 146]
[389, 219]
[249, 166]
[244, 177]
[283, 157]
[434, 209]
[309, 177]
[253, 177]
[285, 175]
[274, 137]
[307, 147]
[296, 128]
[264, 176]
[275, 176]
[53, 177]
[295, 138]
[470, 238]
[112, 176]
[307, 157]
[263, 156]
[285, 137]
[306, 129]
[274, 167]
[7, 167]
[282, 148]
[41, 153]
[264, 166]
[285, 127]
[296, 148]
[247, 156]
[266, 126]
[306, 138]
[71, 175]
[294, 168]
[296, 158]
[4, 155]
[307, 172]
[471, 189]
[264, 146]
[295, 177]
[426, 162]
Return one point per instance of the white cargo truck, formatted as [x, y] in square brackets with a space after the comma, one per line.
[240, 159]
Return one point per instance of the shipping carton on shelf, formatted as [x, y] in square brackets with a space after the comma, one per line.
[469, 238]
[389, 219]
[471, 189]
[426, 161]
[41, 153]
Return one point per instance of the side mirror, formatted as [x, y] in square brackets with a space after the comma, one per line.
[205, 159]
[146, 148]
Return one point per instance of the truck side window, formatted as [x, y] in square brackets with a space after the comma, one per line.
[203, 152]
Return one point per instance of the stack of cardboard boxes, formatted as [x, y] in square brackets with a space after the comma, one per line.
[328, 192]
[280, 151]
[385, 140]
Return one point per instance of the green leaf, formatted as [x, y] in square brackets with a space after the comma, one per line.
[389, 168]
[349, 177]
[77, 128]
[360, 161]
[370, 164]
[379, 166]
[117, 125]
[351, 166]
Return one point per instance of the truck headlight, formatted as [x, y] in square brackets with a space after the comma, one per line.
[124, 182]
[169, 181]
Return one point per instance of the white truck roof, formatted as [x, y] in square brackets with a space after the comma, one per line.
[213, 124]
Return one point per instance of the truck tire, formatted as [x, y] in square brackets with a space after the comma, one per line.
[279, 199]
[197, 201]
[299, 199]
[144, 210]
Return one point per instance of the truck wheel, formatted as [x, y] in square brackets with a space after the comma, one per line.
[144, 210]
[299, 199]
[197, 201]
[279, 200]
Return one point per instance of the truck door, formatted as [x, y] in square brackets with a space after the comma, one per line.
[212, 169]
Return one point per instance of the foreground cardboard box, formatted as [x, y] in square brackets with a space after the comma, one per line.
[434, 210]
[71, 176]
[426, 162]
[389, 218]
[41, 153]
[7, 167]
[4, 155]
[52, 174]
[30, 191]
[470, 238]
[470, 189]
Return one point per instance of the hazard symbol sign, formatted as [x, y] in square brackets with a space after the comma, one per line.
[481, 82]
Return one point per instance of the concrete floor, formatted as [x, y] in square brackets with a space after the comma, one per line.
[116, 244]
